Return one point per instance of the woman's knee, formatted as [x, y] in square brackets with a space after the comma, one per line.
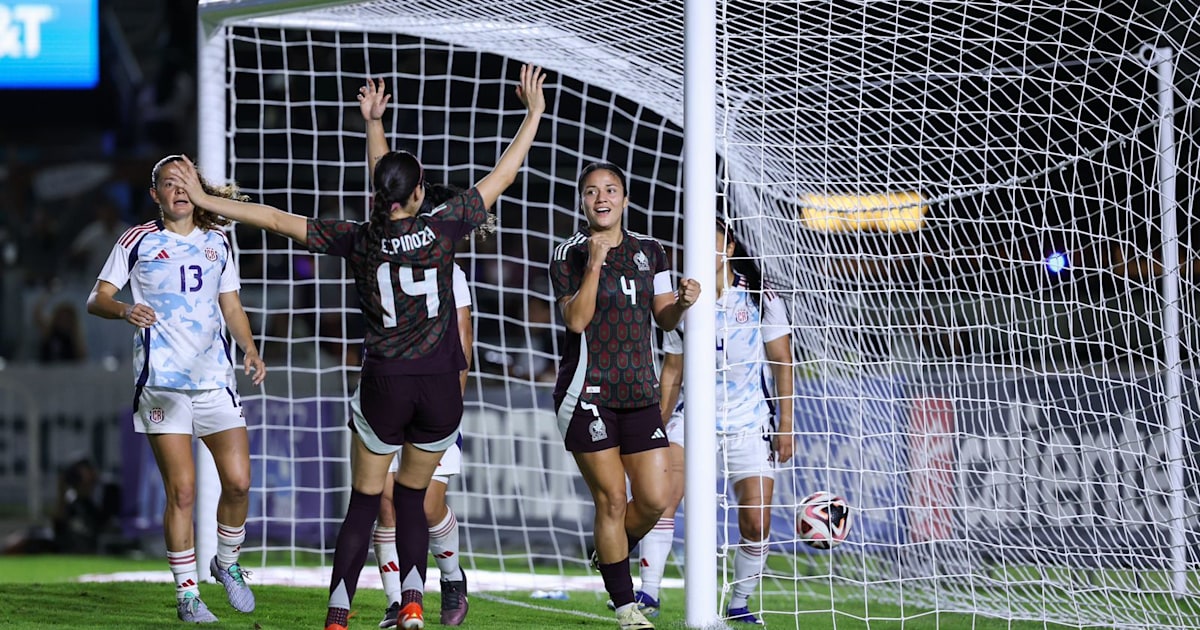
[237, 489]
[181, 496]
[754, 524]
[610, 503]
[654, 500]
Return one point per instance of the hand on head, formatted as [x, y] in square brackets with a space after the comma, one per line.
[689, 292]
[372, 101]
[186, 177]
[530, 89]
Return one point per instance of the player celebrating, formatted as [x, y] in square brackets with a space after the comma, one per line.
[609, 283]
[443, 529]
[752, 332]
[184, 284]
[408, 396]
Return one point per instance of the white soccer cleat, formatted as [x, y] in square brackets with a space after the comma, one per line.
[630, 618]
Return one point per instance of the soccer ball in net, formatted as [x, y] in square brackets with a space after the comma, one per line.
[823, 520]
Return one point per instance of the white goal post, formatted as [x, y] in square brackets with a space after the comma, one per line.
[980, 215]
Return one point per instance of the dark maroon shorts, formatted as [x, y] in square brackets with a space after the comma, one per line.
[593, 428]
[422, 409]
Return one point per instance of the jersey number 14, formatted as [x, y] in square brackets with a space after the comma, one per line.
[412, 287]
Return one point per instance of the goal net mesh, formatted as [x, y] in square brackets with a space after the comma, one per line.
[979, 215]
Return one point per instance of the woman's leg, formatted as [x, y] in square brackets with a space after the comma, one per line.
[412, 530]
[231, 454]
[754, 523]
[604, 473]
[647, 471]
[173, 453]
[368, 471]
[656, 545]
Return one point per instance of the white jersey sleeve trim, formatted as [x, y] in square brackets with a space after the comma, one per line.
[662, 283]
[462, 292]
[774, 318]
[116, 268]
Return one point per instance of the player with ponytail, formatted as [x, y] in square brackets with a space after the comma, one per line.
[408, 397]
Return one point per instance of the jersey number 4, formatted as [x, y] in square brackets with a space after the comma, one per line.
[426, 287]
[629, 288]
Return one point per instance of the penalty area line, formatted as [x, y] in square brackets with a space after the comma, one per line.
[512, 602]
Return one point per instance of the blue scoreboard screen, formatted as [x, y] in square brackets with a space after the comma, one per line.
[49, 44]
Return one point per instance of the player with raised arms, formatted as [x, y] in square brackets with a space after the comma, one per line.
[610, 284]
[184, 283]
[409, 396]
[755, 426]
[443, 525]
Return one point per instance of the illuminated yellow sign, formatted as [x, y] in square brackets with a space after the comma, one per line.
[885, 212]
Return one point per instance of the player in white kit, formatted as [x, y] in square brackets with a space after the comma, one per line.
[754, 426]
[184, 284]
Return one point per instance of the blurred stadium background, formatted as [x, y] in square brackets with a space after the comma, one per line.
[85, 117]
[76, 170]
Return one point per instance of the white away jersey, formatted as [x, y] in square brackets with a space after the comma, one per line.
[180, 277]
[742, 370]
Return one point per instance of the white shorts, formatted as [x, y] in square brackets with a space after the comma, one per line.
[741, 456]
[451, 463]
[198, 412]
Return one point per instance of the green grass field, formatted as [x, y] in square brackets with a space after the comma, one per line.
[43, 591]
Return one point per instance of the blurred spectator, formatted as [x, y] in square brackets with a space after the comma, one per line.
[61, 335]
[81, 518]
[41, 246]
[94, 242]
[167, 105]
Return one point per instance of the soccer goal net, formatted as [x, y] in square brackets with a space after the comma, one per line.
[980, 216]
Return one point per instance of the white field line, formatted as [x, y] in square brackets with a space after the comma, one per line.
[482, 581]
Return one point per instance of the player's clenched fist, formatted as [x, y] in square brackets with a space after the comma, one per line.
[598, 246]
[688, 293]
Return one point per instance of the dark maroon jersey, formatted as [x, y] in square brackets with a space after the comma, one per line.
[406, 284]
[617, 368]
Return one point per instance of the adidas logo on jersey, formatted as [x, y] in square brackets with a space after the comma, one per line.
[658, 433]
[162, 255]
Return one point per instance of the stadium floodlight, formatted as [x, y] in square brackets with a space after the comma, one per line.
[1012, 444]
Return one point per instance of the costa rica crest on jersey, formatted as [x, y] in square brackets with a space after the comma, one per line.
[742, 315]
[643, 263]
[157, 415]
[210, 253]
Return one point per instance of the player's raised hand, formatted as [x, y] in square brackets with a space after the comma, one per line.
[254, 364]
[185, 175]
[598, 247]
[688, 293]
[372, 101]
[530, 89]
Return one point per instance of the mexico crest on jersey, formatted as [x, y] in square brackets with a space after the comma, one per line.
[210, 253]
[597, 430]
[643, 263]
